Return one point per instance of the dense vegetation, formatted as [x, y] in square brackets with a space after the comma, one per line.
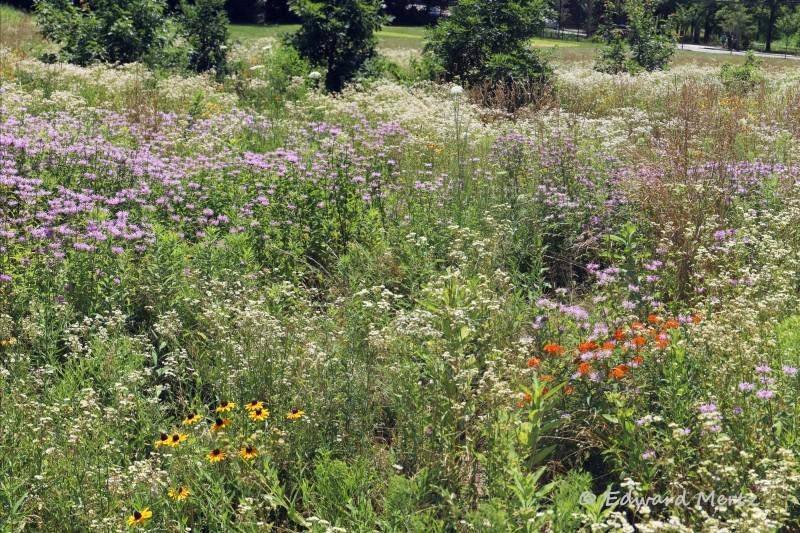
[238, 302]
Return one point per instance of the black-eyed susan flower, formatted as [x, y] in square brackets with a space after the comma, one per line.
[139, 517]
[175, 439]
[295, 414]
[220, 424]
[163, 439]
[225, 406]
[190, 419]
[248, 452]
[259, 414]
[255, 404]
[179, 494]
[216, 455]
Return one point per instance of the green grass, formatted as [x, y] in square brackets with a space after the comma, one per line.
[412, 37]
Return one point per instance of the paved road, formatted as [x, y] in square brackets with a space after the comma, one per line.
[716, 50]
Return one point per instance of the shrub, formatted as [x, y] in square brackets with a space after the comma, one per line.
[205, 27]
[338, 35]
[115, 31]
[488, 42]
[744, 77]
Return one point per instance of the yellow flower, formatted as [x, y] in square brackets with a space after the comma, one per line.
[216, 455]
[179, 494]
[175, 439]
[295, 414]
[259, 414]
[225, 406]
[255, 404]
[11, 341]
[248, 452]
[221, 423]
[163, 439]
[191, 418]
[139, 517]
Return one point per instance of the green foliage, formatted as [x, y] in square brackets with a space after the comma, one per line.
[642, 47]
[114, 31]
[488, 42]
[204, 25]
[744, 77]
[338, 35]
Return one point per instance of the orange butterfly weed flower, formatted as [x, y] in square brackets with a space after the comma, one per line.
[636, 326]
[553, 349]
[568, 390]
[584, 368]
[619, 371]
[653, 319]
[534, 362]
[671, 324]
[545, 391]
[587, 346]
[619, 335]
[527, 397]
[639, 342]
[696, 319]
[609, 345]
[638, 360]
[546, 378]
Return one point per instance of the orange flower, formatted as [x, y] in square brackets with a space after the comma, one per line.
[608, 345]
[697, 319]
[547, 378]
[553, 349]
[584, 368]
[568, 390]
[534, 362]
[527, 397]
[671, 324]
[638, 360]
[636, 326]
[639, 342]
[653, 319]
[619, 371]
[545, 391]
[587, 346]
[662, 342]
[619, 335]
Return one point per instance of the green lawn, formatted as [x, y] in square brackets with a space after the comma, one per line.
[390, 37]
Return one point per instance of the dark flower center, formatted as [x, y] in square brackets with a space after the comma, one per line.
[137, 515]
[224, 404]
[248, 449]
[258, 412]
[215, 452]
[176, 438]
[164, 436]
[295, 411]
[218, 422]
[191, 416]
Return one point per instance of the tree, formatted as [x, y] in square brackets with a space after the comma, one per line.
[488, 40]
[115, 31]
[338, 35]
[204, 24]
[788, 26]
[650, 48]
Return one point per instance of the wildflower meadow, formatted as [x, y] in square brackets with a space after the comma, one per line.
[243, 303]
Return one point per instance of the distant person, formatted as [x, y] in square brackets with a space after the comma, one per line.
[724, 40]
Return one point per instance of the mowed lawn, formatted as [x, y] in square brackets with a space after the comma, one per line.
[410, 37]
